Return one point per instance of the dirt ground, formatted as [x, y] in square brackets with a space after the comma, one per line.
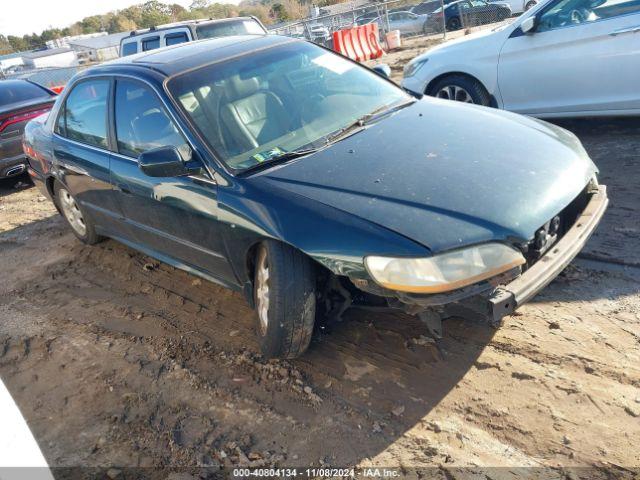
[117, 360]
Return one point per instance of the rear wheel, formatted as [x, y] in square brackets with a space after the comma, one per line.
[453, 24]
[461, 89]
[81, 224]
[285, 300]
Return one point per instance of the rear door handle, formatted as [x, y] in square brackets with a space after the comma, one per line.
[635, 29]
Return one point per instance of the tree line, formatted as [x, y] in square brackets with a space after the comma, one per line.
[154, 12]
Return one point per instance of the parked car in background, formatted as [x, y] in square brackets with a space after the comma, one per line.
[318, 33]
[312, 184]
[181, 32]
[408, 23]
[365, 18]
[518, 6]
[564, 58]
[430, 6]
[20, 101]
[467, 13]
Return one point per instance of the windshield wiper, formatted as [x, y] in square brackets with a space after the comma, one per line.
[344, 132]
[367, 119]
[281, 158]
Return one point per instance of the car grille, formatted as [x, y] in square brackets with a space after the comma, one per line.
[553, 230]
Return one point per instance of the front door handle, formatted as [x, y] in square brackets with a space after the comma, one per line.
[635, 29]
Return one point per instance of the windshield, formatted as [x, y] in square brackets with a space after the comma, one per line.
[263, 105]
[227, 29]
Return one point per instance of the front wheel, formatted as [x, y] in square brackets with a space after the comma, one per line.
[461, 89]
[530, 5]
[285, 300]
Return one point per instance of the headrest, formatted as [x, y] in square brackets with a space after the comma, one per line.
[238, 88]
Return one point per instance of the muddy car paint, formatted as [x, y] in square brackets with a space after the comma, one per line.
[454, 176]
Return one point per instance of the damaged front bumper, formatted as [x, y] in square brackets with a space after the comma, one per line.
[501, 295]
[506, 298]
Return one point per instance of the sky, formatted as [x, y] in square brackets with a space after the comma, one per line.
[20, 17]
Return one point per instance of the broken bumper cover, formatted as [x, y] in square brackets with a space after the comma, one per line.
[505, 299]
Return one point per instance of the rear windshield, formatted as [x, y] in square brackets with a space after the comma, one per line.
[227, 29]
[15, 92]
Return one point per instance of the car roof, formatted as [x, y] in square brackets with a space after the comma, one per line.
[189, 55]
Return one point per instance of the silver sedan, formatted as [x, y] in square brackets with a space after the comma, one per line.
[406, 22]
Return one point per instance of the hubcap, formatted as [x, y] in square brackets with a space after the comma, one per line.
[262, 290]
[453, 92]
[72, 212]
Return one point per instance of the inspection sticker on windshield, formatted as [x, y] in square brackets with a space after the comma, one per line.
[334, 63]
[267, 154]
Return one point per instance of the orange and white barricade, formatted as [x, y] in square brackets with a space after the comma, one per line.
[358, 43]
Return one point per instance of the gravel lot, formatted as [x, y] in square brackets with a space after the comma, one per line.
[116, 359]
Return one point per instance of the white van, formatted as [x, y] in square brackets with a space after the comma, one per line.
[172, 34]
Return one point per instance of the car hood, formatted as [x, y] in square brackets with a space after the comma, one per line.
[446, 174]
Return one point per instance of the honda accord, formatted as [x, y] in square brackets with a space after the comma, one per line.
[312, 184]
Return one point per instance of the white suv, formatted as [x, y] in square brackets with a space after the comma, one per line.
[174, 33]
[562, 58]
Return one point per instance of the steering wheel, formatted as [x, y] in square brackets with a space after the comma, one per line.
[577, 16]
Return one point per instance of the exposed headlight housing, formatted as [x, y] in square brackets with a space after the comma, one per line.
[444, 272]
[413, 66]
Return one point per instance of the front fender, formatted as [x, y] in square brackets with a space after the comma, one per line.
[250, 213]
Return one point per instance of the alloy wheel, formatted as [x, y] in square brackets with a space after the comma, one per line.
[262, 290]
[71, 212]
[454, 92]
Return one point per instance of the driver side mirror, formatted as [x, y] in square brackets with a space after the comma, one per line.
[528, 24]
[163, 162]
[382, 69]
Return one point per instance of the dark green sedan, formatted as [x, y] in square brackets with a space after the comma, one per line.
[312, 184]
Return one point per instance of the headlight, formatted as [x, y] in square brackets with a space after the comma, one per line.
[412, 67]
[444, 272]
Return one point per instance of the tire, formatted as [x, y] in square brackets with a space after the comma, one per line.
[453, 84]
[286, 318]
[530, 5]
[454, 24]
[66, 204]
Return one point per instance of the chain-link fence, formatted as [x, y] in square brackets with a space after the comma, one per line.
[430, 17]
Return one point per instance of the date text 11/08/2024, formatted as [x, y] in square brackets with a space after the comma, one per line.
[323, 472]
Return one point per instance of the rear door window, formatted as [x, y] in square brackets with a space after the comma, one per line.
[85, 113]
[175, 38]
[150, 43]
[129, 48]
